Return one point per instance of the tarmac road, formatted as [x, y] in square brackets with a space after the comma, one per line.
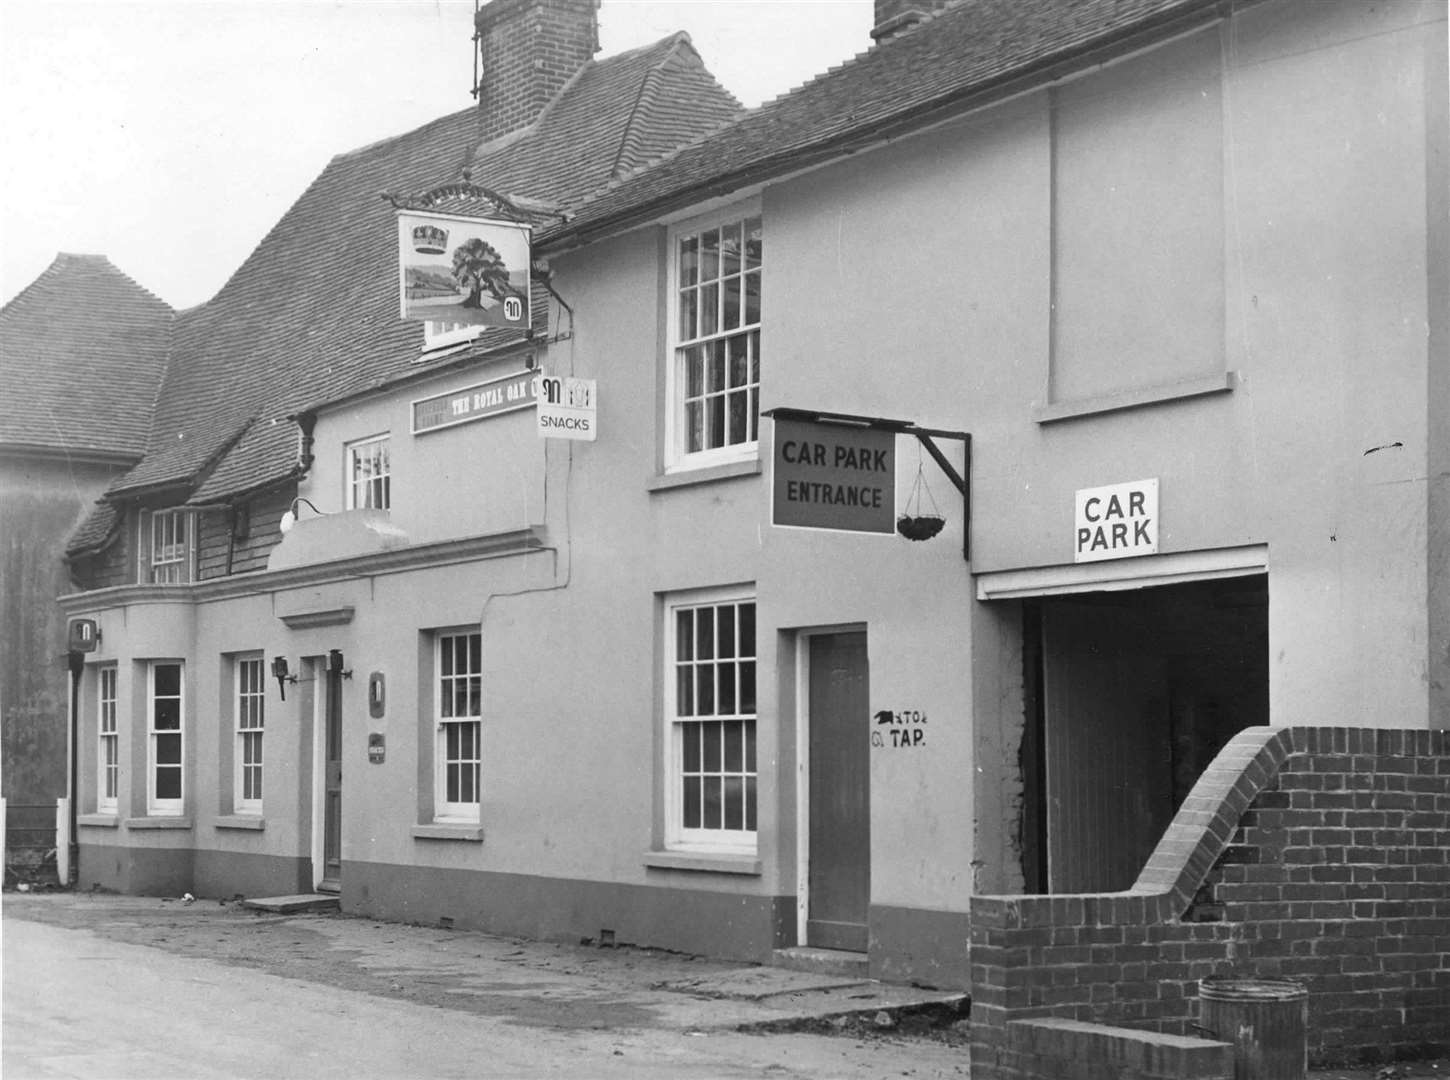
[87, 1002]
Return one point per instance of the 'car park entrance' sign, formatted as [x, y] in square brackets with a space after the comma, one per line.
[834, 476]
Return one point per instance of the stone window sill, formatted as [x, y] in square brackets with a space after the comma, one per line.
[98, 821]
[704, 862]
[707, 475]
[241, 821]
[158, 823]
[1218, 383]
[472, 834]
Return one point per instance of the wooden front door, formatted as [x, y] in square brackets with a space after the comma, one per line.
[332, 785]
[839, 807]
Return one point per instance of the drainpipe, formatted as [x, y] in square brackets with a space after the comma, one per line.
[76, 661]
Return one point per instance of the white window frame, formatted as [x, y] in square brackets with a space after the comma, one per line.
[678, 456]
[453, 688]
[108, 738]
[684, 719]
[249, 713]
[156, 805]
[165, 559]
[376, 450]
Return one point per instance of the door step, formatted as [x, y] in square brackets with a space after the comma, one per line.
[292, 905]
[850, 965]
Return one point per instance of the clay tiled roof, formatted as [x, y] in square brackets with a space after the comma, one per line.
[970, 53]
[81, 354]
[92, 533]
[312, 316]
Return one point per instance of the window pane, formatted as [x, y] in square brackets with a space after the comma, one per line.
[716, 379]
[750, 802]
[711, 737]
[167, 714]
[739, 418]
[726, 689]
[713, 814]
[695, 371]
[689, 260]
[747, 688]
[685, 690]
[689, 313]
[168, 783]
[726, 636]
[749, 726]
[692, 814]
[709, 254]
[752, 298]
[705, 637]
[690, 744]
[734, 747]
[717, 421]
[168, 679]
[168, 749]
[730, 315]
[747, 629]
[685, 635]
[705, 690]
[709, 310]
[739, 350]
[752, 242]
[694, 427]
[734, 802]
[730, 249]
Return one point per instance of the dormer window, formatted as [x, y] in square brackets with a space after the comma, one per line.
[167, 546]
[369, 473]
[440, 334]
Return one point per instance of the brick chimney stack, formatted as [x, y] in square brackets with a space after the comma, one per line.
[895, 16]
[528, 50]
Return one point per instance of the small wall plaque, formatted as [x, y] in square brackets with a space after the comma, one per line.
[377, 748]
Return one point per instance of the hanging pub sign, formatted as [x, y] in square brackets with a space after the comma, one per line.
[1118, 521]
[478, 402]
[463, 270]
[833, 476]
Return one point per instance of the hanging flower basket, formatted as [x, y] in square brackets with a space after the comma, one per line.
[922, 527]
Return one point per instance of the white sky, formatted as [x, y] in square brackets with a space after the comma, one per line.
[169, 135]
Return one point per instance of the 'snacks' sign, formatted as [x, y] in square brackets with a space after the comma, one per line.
[1116, 522]
[831, 476]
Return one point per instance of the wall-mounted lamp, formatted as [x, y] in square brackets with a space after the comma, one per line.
[279, 672]
[334, 664]
[289, 518]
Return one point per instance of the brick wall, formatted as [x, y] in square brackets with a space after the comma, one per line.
[528, 52]
[1317, 854]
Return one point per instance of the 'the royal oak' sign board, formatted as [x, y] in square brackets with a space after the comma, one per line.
[834, 476]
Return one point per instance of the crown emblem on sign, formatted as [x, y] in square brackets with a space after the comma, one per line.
[430, 239]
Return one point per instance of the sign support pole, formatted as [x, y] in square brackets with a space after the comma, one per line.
[961, 481]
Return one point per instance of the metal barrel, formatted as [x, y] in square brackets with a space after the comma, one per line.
[1266, 1020]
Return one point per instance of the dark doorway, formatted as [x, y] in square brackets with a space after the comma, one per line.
[332, 782]
[1130, 696]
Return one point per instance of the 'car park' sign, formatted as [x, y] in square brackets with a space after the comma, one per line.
[1116, 522]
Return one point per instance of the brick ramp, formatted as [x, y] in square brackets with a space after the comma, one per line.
[1317, 854]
